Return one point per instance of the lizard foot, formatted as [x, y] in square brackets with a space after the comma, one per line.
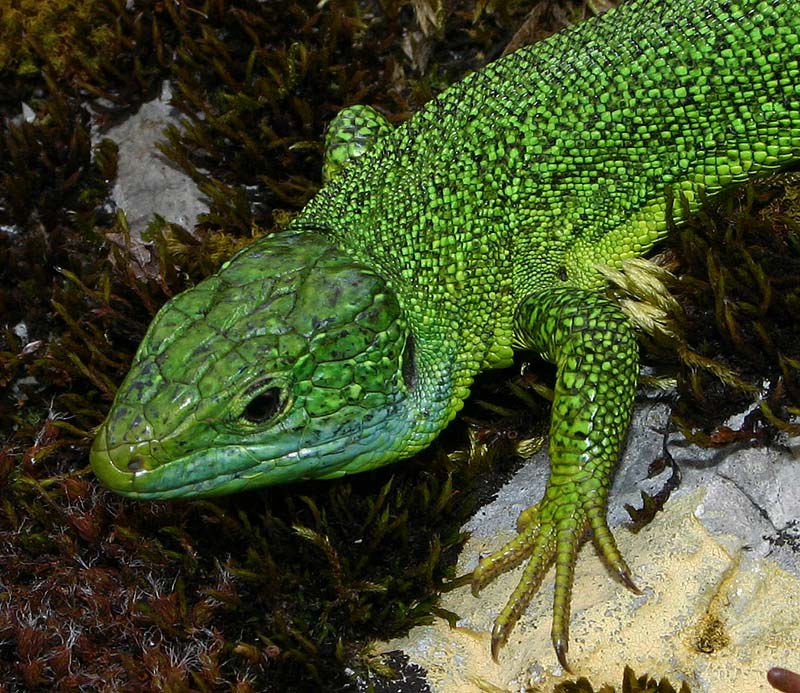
[550, 531]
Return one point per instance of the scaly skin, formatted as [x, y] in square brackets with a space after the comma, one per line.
[350, 134]
[352, 339]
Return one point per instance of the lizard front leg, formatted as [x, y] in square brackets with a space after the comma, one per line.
[594, 348]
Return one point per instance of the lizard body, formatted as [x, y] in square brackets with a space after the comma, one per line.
[351, 339]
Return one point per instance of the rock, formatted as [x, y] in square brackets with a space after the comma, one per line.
[718, 568]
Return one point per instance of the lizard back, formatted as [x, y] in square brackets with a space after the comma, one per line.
[562, 155]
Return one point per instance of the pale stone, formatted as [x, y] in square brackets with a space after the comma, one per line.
[715, 572]
[147, 182]
[754, 601]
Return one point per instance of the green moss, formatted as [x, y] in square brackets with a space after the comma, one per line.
[33, 31]
[631, 683]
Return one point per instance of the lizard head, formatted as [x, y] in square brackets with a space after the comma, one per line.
[293, 362]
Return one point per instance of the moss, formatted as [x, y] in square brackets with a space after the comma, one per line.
[739, 286]
[631, 683]
[265, 591]
[32, 29]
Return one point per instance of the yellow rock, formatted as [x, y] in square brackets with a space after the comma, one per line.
[714, 618]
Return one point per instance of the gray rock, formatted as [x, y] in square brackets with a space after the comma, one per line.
[147, 182]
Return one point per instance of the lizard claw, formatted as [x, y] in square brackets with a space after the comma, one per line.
[561, 646]
[550, 532]
[499, 637]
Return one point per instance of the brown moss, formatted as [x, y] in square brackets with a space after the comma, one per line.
[266, 591]
[739, 285]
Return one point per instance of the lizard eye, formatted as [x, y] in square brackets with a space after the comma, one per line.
[264, 406]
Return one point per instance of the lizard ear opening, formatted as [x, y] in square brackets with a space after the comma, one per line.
[409, 362]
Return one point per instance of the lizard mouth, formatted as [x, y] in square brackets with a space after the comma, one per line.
[124, 470]
[133, 469]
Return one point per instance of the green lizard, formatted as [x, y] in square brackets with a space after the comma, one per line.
[350, 340]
